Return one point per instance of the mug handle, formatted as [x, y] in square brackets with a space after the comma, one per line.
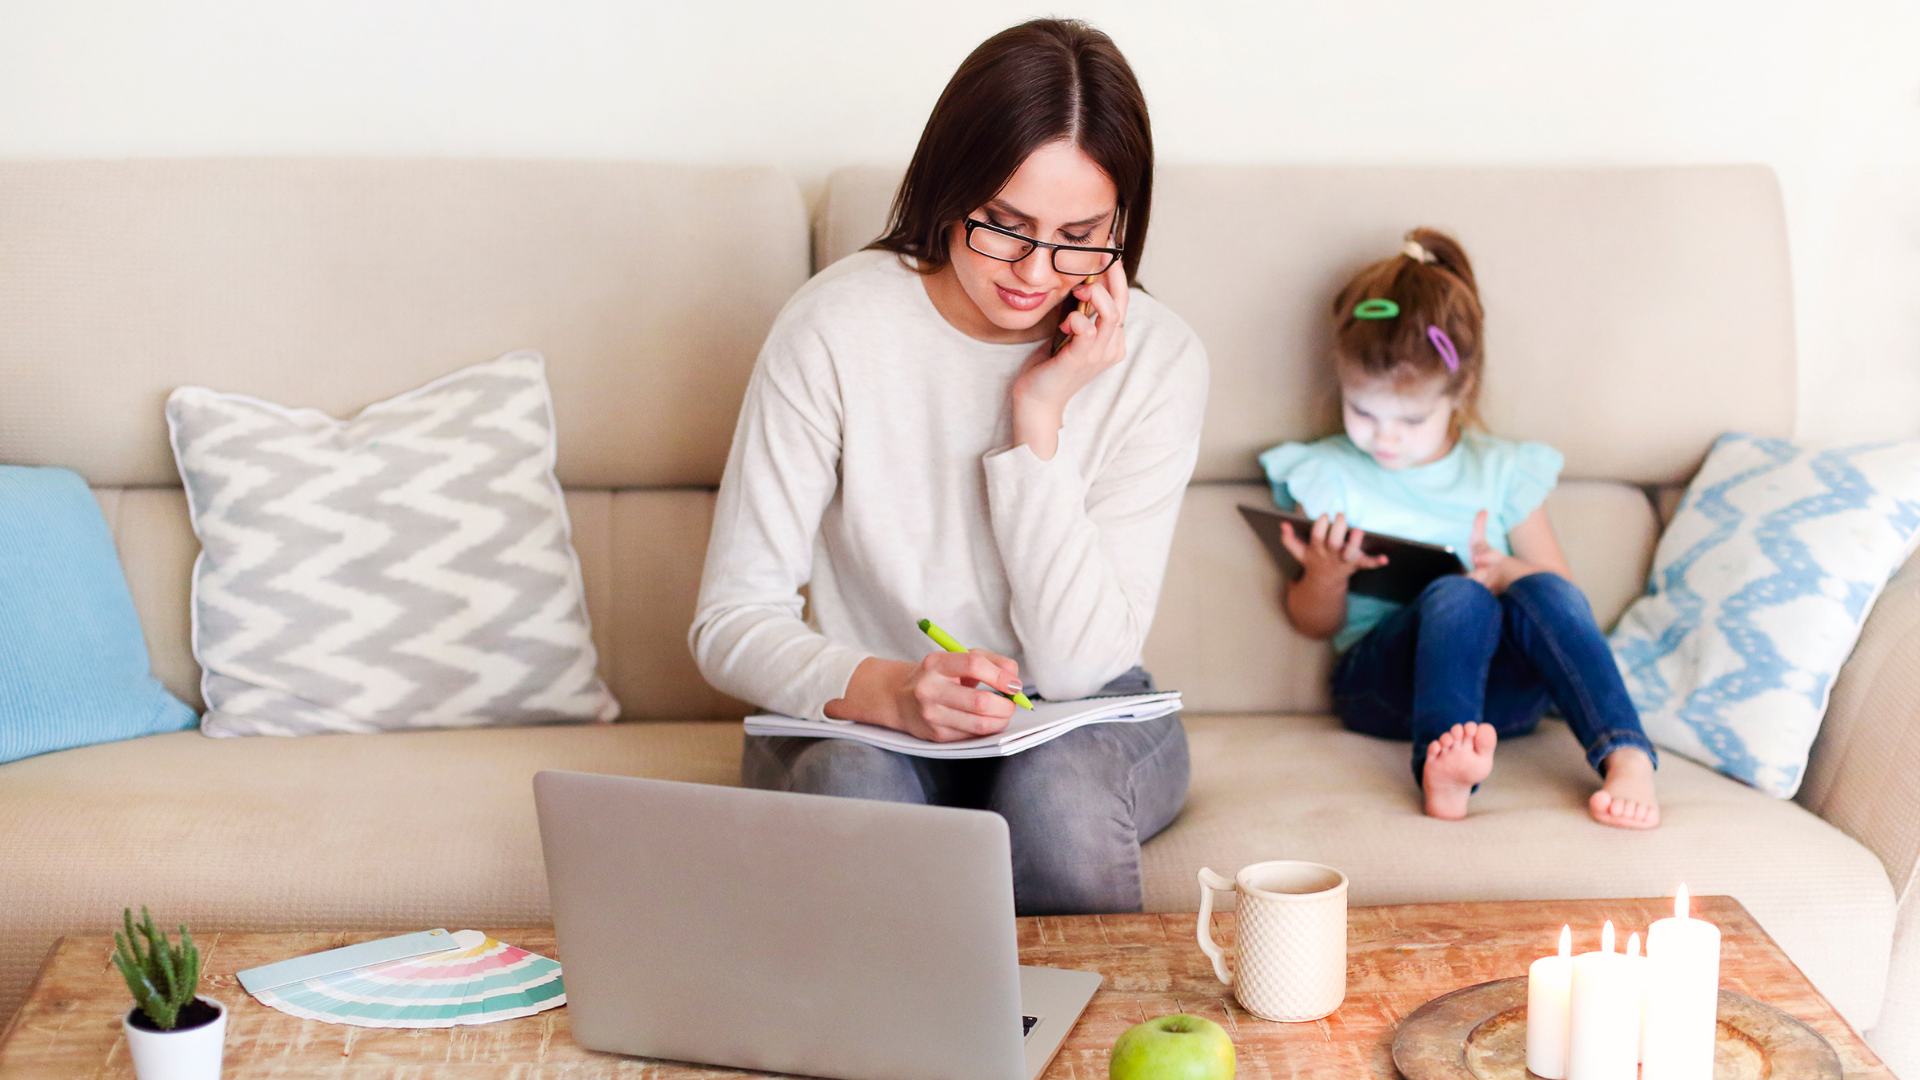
[1209, 881]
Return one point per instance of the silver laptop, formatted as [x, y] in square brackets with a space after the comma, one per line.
[844, 938]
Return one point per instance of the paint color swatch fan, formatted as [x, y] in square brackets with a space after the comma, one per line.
[425, 980]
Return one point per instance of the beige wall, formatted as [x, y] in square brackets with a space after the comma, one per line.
[1828, 94]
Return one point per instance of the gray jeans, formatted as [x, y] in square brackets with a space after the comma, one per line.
[1077, 808]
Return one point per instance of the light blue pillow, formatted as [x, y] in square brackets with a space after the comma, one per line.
[1759, 589]
[73, 662]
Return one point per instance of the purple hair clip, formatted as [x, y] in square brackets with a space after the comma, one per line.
[1443, 345]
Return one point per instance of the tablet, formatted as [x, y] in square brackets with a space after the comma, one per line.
[1411, 565]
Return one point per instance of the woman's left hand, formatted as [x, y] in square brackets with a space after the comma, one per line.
[1041, 393]
[1491, 568]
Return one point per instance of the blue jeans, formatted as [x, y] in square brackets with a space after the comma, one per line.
[1458, 653]
[1077, 808]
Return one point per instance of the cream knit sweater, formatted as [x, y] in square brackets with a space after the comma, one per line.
[871, 466]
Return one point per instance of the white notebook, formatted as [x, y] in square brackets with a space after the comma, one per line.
[1046, 721]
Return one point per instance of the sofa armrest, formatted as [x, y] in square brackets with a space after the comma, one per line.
[1864, 772]
[1864, 777]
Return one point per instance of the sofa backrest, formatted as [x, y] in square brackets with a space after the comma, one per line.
[337, 283]
[1633, 316]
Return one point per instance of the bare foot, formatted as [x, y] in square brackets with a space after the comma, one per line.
[1461, 757]
[1627, 800]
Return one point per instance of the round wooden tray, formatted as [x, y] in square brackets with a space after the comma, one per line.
[1480, 1033]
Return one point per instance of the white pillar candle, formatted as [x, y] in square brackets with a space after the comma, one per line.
[1683, 995]
[1640, 979]
[1601, 1041]
[1549, 984]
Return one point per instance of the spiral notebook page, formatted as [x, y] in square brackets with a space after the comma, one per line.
[1046, 721]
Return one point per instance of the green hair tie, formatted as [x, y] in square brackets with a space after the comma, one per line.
[1376, 308]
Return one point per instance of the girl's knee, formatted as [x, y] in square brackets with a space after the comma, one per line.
[1549, 593]
[1457, 595]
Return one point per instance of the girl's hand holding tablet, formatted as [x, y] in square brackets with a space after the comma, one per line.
[1317, 603]
[1332, 550]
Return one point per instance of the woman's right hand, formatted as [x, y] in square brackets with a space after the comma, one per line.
[1332, 552]
[943, 698]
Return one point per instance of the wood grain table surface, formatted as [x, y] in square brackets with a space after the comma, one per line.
[1398, 958]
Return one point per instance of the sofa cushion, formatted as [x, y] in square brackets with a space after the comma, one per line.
[73, 664]
[155, 538]
[416, 829]
[409, 568]
[1269, 787]
[398, 831]
[640, 556]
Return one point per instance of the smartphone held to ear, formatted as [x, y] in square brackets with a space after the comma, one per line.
[1060, 335]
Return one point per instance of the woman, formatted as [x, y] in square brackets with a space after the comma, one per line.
[910, 447]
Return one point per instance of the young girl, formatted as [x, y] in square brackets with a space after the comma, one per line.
[1476, 657]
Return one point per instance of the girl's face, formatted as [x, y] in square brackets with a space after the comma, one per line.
[1058, 195]
[1401, 424]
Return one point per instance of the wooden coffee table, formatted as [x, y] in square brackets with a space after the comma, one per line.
[1399, 957]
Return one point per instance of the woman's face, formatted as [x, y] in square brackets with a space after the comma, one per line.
[1058, 195]
[1401, 424]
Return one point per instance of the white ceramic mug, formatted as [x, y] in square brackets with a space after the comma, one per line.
[1290, 938]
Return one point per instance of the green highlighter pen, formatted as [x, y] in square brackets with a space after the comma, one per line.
[945, 640]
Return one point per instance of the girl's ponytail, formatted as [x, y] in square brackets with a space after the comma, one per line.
[1447, 254]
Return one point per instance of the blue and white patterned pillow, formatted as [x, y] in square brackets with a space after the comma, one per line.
[1759, 589]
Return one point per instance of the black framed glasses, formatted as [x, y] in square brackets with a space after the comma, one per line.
[1008, 246]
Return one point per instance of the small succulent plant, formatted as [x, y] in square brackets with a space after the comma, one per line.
[161, 976]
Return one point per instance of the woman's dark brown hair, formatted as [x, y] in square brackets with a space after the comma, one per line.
[1440, 292]
[1023, 88]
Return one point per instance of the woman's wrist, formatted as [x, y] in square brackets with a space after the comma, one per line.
[872, 694]
[1036, 426]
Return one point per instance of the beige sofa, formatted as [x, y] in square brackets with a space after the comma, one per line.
[1635, 314]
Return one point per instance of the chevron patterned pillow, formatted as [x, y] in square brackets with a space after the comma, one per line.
[410, 568]
[1759, 589]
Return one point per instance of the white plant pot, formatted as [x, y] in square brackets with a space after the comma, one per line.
[190, 1054]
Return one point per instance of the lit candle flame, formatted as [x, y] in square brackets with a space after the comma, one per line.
[1606, 937]
[1680, 902]
[1566, 941]
[1633, 943]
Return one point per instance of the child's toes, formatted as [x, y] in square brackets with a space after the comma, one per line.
[1485, 739]
[1609, 809]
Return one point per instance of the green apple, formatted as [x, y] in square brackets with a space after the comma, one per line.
[1177, 1047]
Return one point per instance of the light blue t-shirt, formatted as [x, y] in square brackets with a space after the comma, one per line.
[1434, 503]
